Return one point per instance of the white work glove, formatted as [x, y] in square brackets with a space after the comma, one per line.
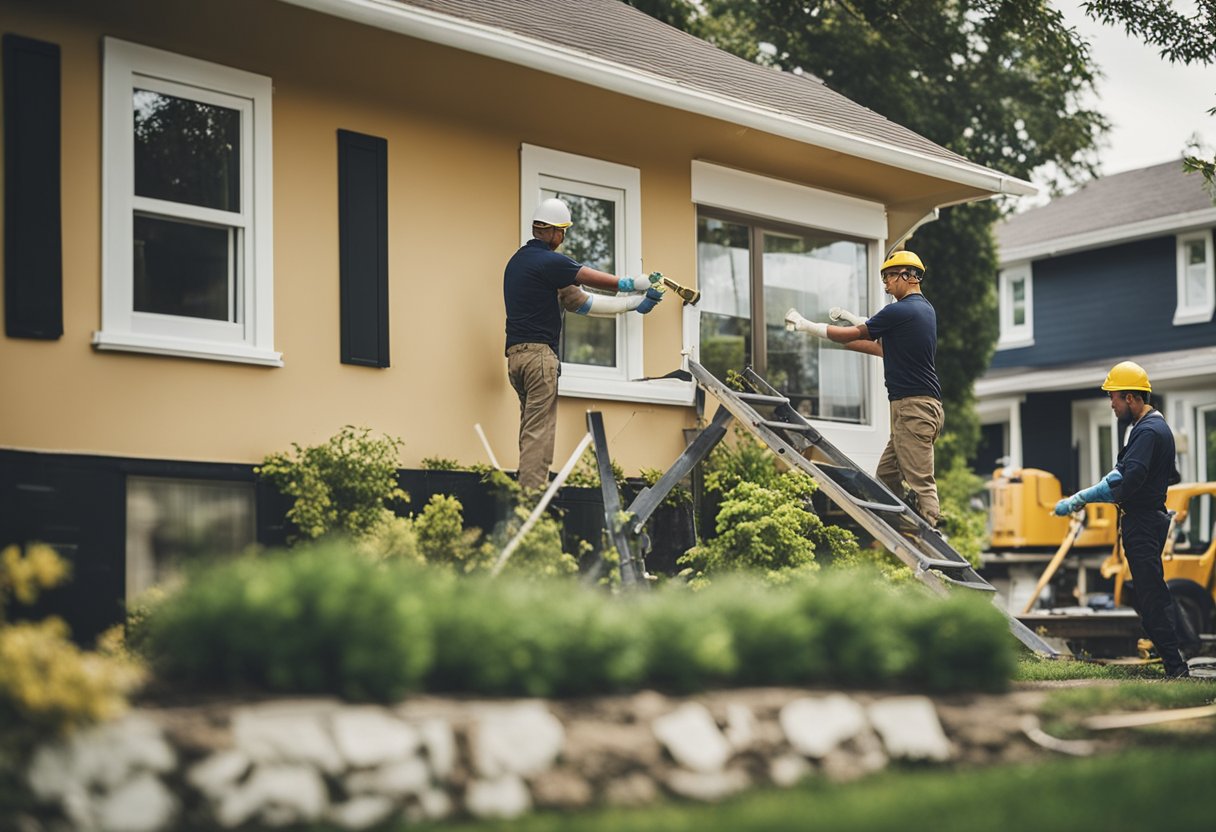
[837, 313]
[796, 323]
[635, 284]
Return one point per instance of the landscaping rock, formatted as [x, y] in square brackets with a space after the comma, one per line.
[142, 804]
[372, 736]
[691, 736]
[288, 732]
[519, 739]
[505, 797]
[909, 728]
[709, 786]
[816, 726]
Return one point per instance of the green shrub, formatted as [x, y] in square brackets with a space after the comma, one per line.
[317, 620]
[313, 620]
[47, 683]
[347, 484]
[442, 537]
[964, 520]
[435, 463]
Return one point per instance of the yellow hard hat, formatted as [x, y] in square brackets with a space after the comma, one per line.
[903, 258]
[1127, 375]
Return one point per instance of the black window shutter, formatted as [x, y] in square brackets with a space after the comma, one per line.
[33, 258]
[363, 247]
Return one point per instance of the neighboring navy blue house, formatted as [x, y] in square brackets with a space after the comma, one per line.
[1120, 270]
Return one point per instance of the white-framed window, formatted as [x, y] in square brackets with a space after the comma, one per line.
[187, 265]
[1016, 302]
[764, 246]
[1196, 279]
[601, 357]
[1095, 434]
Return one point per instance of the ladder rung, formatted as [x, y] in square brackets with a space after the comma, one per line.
[983, 586]
[762, 398]
[940, 563]
[775, 425]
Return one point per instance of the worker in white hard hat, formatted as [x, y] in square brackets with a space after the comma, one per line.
[1137, 484]
[904, 335]
[538, 284]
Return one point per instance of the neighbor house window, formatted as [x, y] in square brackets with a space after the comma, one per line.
[1196, 279]
[172, 522]
[1016, 303]
[750, 272]
[188, 264]
[601, 357]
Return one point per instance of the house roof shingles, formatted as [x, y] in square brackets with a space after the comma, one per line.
[1122, 199]
[617, 33]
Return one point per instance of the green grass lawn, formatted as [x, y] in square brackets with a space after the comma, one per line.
[1062, 794]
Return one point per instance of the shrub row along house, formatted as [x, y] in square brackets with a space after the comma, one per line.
[1122, 269]
[234, 225]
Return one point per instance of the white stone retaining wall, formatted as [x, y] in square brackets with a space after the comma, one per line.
[284, 762]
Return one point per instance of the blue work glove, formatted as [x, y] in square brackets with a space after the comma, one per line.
[653, 295]
[1069, 505]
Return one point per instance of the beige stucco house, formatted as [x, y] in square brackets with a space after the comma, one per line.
[238, 224]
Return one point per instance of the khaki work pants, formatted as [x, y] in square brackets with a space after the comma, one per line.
[915, 423]
[533, 370]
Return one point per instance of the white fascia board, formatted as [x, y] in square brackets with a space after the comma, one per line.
[1102, 237]
[588, 69]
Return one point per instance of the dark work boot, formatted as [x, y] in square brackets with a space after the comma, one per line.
[1175, 665]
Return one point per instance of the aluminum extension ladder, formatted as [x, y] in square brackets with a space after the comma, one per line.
[770, 417]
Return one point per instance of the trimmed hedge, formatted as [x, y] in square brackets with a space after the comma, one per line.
[322, 620]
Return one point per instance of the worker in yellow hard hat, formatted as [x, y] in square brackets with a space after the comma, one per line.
[904, 335]
[538, 283]
[1138, 484]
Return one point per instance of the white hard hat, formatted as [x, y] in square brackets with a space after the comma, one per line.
[552, 211]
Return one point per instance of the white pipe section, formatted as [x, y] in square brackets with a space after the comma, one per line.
[510, 548]
[609, 306]
[486, 444]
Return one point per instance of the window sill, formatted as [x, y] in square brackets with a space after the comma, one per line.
[658, 391]
[182, 348]
[1184, 317]
[1015, 343]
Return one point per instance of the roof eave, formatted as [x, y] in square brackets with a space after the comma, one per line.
[550, 58]
[1099, 238]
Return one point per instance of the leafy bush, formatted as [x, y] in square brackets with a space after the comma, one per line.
[47, 683]
[347, 484]
[317, 620]
[314, 620]
[964, 519]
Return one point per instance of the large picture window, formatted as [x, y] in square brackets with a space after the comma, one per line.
[750, 272]
[188, 265]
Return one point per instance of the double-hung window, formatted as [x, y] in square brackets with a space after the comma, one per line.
[187, 256]
[1015, 299]
[1196, 279]
[601, 357]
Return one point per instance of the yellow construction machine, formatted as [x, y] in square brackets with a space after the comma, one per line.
[1083, 599]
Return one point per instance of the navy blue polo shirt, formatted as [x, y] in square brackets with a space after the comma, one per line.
[1147, 464]
[908, 331]
[529, 288]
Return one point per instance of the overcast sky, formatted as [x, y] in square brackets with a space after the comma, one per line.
[1153, 105]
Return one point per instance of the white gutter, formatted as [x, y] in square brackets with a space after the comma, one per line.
[1100, 237]
[588, 69]
[1195, 365]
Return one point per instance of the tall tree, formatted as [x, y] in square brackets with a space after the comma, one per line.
[999, 81]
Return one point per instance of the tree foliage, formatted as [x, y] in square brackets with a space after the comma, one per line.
[1182, 39]
[999, 81]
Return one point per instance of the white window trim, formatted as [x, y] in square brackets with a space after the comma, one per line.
[1202, 312]
[542, 167]
[765, 198]
[1005, 411]
[1088, 417]
[251, 339]
[1011, 336]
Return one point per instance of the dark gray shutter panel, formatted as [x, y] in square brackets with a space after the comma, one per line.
[363, 247]
[33, 256]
